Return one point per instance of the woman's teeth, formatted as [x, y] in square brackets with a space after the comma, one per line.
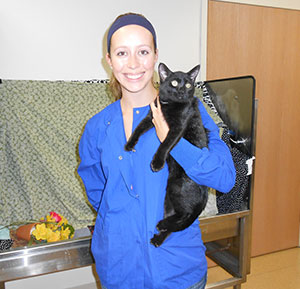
[134, 76]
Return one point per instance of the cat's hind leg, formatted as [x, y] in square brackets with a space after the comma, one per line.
[176, 222]
[171, 224]
[159, 238]
[184, 201]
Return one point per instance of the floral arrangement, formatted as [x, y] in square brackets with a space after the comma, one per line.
[53, 228]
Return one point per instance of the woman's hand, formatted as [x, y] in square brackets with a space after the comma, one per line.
[159, 121]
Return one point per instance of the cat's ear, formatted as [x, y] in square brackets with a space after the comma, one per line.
[163, 71]
[194, 72]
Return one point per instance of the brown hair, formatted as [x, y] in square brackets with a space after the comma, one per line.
[115, 87]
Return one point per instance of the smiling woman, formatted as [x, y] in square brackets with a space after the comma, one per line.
[132, 58]
[121, 186]
[131, 53]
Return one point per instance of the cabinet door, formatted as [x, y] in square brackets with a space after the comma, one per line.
[265, 42]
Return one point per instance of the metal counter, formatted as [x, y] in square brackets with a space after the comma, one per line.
[225, 236]
[44, 258]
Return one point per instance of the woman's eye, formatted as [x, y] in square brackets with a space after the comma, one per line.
[188, 85]
[144, 52]
[121, 53]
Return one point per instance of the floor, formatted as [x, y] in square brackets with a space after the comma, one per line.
[280, 270]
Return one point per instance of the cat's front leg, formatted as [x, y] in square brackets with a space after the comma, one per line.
[163, 150]
[143, 126]
[157, 163]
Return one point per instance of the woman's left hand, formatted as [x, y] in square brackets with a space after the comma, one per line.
[159, 121]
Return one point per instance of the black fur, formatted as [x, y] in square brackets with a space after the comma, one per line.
[185, 199]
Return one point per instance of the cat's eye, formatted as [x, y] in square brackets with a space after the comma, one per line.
[188, 85]
[174, 83]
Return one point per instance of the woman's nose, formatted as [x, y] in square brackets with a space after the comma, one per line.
[133, 62]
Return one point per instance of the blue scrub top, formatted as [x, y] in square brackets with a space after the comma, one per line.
[129, 199]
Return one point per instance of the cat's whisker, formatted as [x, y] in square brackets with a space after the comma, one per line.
[163, 102]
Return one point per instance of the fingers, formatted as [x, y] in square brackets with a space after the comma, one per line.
[153, 107]
[159, 121]
[156, 110]
[158, 103]
[157, 106]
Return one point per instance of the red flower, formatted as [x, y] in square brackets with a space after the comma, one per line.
[55, 216]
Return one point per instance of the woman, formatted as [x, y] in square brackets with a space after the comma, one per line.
[127, 195]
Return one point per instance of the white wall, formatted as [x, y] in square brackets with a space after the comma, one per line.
[63, 39]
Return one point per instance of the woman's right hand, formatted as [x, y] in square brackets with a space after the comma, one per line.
[159, 121]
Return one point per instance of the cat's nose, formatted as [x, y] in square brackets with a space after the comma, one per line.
[181, 95]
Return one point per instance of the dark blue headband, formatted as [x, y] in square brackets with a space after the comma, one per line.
[130, 19]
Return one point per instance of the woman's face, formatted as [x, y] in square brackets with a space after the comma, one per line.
[132, 57]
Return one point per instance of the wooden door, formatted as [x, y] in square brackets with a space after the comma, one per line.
[265, 42]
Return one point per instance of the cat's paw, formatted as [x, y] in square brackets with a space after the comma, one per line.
[128, 147]
[161, 226]
[157, 164]
[156, 240]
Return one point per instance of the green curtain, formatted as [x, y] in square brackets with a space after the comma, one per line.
[41, 123]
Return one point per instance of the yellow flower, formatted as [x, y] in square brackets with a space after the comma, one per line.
[40, 232]
[65, 233]
[50, 219]
[53, 236]
[63, 221]
[51, 223]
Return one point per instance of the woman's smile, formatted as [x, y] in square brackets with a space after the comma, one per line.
[132, 76]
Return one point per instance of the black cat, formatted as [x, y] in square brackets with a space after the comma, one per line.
[185, 199]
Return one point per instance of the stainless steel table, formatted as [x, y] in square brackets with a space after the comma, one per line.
[227, 238]
[44, 258]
